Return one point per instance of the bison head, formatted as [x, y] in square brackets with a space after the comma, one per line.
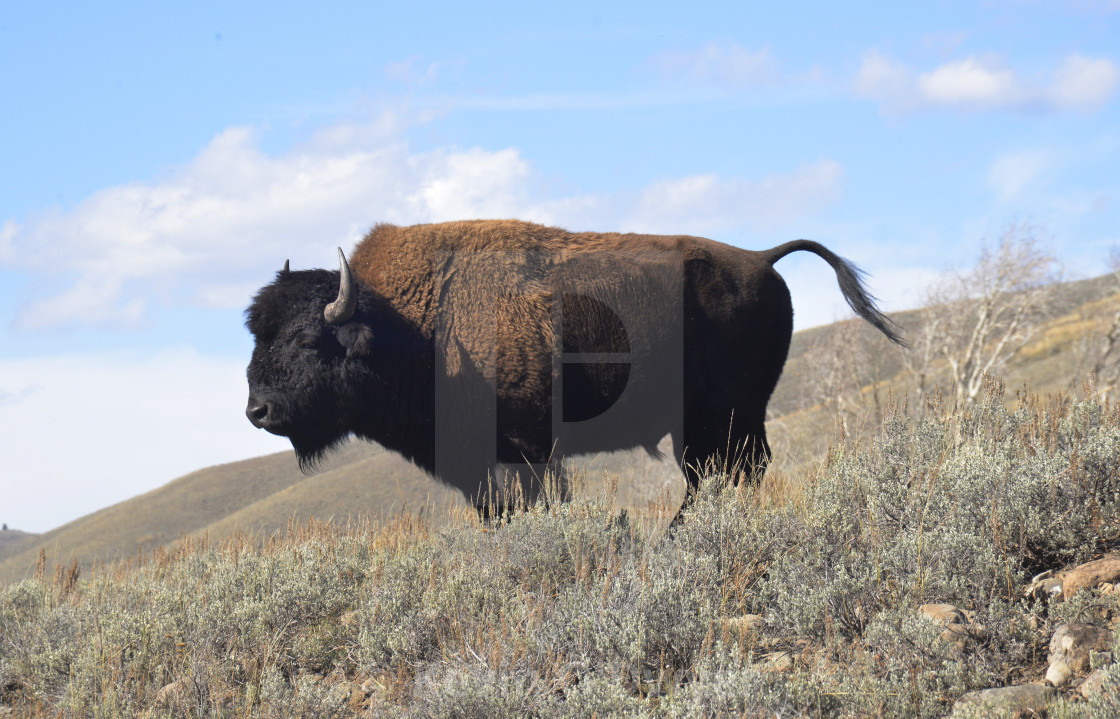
[315, 338]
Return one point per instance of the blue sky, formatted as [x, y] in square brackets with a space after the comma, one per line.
[158, 164]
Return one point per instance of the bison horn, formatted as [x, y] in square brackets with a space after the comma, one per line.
[342, 309]
[286, 269]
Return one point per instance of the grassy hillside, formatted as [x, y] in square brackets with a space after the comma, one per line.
[815, 604]
[264, 491]
[1074, 304]
[11, 540]
[801, 428]
[263, 494]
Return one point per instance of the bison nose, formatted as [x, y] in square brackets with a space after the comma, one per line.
[257, 412]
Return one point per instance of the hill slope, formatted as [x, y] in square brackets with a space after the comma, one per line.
[800, 428]
[11, 540]
[262, 494]
[266, 489]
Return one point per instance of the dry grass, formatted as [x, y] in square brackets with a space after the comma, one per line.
[257, 495]
[798, 595]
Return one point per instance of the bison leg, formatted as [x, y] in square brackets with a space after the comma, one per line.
[716, 442]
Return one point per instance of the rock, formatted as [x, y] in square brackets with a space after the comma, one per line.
[168, 695]
[958, 634]
[779, 662]
[1092, 684]
[958, 624]
[1044, 585]
[1090, 575]
[1022, 700]
[1058, 673]
[1072, 644]
[747, 623]
[944, 613]
[369, 686]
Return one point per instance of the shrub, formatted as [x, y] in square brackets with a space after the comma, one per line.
[751, 607]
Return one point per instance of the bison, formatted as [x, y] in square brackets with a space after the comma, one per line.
[478, 345]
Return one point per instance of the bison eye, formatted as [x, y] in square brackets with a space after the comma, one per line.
[306, 340]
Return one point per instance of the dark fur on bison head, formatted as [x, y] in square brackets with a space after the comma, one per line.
[312, 381]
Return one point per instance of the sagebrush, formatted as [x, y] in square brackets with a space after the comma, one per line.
[752, 606]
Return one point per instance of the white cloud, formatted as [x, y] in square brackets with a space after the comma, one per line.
[90, 301]
[235, 213]
[1082, 82]
[13, 397]
[707, 203]
[96, 429]
[471, 185]
[7, 235]
[880, 78]
[970, 84]
[585, 101]
[728, 65]
[413, 71]
[979, 83]
[220, 225]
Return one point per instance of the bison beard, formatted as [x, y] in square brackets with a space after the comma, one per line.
[469, 345]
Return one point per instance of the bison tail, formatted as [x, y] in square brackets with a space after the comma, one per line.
[851, 282]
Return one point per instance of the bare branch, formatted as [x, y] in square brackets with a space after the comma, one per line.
[981, 317]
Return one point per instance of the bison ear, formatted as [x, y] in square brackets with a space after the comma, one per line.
[357, 338]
